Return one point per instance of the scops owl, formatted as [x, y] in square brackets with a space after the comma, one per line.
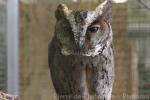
[81, 57]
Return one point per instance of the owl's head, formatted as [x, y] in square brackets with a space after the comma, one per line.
[84, 33]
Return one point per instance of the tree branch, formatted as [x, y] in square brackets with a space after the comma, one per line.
[4, 96]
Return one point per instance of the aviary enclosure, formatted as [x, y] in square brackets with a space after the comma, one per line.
[131, 28]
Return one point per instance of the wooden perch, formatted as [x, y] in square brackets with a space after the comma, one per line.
[4, 96]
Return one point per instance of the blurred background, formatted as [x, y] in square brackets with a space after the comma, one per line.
[27, 26]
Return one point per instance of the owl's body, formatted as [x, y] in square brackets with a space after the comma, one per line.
[81, 54]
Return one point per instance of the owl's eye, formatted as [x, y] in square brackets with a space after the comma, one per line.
[93, 29]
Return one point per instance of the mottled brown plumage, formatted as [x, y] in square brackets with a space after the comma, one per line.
[81, 54]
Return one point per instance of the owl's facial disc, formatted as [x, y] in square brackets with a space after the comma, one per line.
[90, 36]
[90, 30]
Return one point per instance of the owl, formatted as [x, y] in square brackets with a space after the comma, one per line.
[81, 59]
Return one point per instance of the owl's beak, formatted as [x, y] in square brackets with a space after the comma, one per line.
[81, 42]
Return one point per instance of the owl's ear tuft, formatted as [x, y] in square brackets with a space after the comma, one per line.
[105, 10]
[62, 11]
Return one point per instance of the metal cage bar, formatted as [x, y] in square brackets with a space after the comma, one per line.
[12, 46]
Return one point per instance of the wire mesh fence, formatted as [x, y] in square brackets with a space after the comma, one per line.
[3, 56]
[131, 26]
[139, 34]
[37, 27]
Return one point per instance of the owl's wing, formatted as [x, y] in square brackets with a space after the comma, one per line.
[54, 69]
[51, 51]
